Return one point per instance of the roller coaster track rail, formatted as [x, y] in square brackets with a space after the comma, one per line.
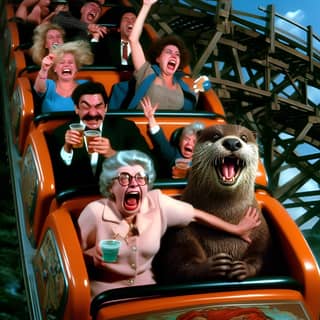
[266, 71]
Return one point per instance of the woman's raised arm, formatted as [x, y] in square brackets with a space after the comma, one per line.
[137, 54]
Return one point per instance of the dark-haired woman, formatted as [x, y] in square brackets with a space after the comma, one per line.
[166, 59]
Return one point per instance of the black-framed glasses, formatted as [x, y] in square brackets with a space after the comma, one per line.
[125, 178]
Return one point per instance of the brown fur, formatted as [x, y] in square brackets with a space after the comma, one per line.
[196, 252]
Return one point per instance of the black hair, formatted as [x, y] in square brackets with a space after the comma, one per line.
[124, 10]
[95, 1]
[89, 87]
[171, 39]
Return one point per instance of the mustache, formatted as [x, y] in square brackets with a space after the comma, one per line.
[88, 117]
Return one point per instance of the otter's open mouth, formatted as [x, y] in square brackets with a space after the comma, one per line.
[228, 169]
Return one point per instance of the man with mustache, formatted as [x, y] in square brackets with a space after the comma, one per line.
[74, 167]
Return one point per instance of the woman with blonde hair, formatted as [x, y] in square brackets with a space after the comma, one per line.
[65, 61]
[45, 37]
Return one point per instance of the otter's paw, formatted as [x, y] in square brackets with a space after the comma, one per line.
[219, 265]
[239, 270]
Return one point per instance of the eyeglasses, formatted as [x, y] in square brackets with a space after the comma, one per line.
[125, 178]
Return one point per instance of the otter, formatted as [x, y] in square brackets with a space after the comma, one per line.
[221, 181]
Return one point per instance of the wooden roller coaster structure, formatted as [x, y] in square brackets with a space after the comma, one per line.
[264, 76]
[261, 77]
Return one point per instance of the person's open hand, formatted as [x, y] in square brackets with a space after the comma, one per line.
[97, 31]
[249, 221]
[148, 109]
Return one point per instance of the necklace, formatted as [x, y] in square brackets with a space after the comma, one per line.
[133, 230]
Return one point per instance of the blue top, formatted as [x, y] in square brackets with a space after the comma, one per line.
[53, 102]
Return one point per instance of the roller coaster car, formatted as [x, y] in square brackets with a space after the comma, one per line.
[24, 105]
[61, 277]
[63, 283]
[37, 177]
[56, 277]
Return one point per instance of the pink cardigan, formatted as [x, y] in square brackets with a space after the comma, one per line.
[101, 220]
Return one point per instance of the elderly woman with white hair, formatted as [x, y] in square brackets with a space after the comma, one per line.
[137, 216]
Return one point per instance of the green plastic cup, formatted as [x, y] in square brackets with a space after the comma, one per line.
[110, 250]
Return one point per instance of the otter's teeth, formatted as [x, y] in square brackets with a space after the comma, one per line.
[228, 180]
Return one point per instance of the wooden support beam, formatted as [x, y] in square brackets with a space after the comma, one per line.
[237, 65]
[202, 60]
[271, 27]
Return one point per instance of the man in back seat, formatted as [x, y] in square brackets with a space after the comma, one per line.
[74, 167]
[114, 48]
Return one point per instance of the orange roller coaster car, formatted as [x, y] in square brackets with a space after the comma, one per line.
[55, 273]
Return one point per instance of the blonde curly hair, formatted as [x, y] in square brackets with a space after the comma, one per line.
[38, 50]
[80, 49]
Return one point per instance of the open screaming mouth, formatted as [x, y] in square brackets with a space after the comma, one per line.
[131, 200]
[66, 71]
[228, 169]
